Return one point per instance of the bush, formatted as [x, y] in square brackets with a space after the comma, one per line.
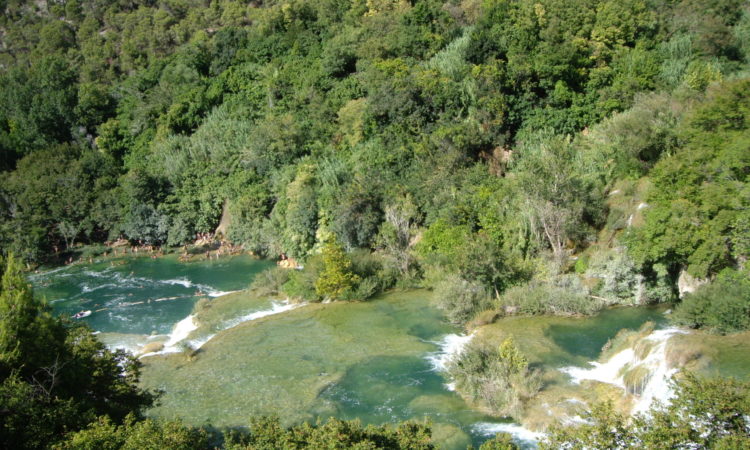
[267, 433]
[567, 298]
[460, 299]
[137, 434]
[374, 271]
[270, 282]
[722, 306]
[620, 281]
[336, 280]
[498, 378]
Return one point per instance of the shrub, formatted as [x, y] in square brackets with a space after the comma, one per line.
[498, 378]
[722, 306]
[267, 433]
[301, 283]
[336, 280]
[570, 297]
[460, 299]
[270, 282]
[620, 280]
[373, 270]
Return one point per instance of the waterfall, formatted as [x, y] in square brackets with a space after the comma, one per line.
[647, 376]
[181, 331]
[449, 347]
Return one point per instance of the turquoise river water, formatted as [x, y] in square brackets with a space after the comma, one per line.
[379, 361]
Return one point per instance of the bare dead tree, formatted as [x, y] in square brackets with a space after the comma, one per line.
[48, 377]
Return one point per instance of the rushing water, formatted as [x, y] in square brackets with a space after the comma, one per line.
[141, 295]
[380, 361]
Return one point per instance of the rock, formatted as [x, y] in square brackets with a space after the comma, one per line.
[289, 263]
[120, 243]
[449, 436]
[225, 221]
[152, 347]
[687, 283]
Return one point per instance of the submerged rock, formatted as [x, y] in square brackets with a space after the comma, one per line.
[152, 347]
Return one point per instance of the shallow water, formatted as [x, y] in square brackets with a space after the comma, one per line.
[378, 361]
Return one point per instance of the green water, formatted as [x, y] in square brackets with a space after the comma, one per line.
[366, 360]
[374, 360]
[587, 337]
[141, 295]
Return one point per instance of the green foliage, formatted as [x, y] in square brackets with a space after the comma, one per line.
[270, 282]
[501, 441]
[134, 434]
[497, 378]
[56, 377]
[621, 282]
[705, 413]
[267, 433]
[463, 139]
[336, 280]
[460, 299]
[566, 296]
[699, 193]
[722, 306]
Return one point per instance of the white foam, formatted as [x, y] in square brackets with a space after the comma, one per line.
[657, 385]
[208, 290]
[276, 308]
[518, 432]
[179, 281]
[187, 325]
[198, 343]
[180, 332]
[450, 347]
[608, 372]
[34, 276]
[213, 294]
[133, 349]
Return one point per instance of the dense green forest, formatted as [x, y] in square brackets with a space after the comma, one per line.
[516, 157]
[496, 151]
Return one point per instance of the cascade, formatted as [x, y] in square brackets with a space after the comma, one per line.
[642, 370]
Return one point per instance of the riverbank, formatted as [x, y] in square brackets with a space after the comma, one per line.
[222, 354]
[202, 249]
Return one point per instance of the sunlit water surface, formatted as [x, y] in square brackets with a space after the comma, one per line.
[379, 361]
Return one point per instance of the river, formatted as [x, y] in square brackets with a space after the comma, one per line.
[222, 356]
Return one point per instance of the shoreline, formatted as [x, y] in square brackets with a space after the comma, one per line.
[188, 253]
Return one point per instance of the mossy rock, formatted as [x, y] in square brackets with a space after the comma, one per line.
[152, 347]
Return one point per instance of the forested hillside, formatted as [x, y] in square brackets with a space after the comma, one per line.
[474, 144]
[515, 157]
[471, 146]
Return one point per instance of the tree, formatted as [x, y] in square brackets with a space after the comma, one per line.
[28, 333]
[266, 433]
[397, 233]
[56, 377]
[134, 434]
[336, 279]
[701, 193]
[705, 413]
[556, 193]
